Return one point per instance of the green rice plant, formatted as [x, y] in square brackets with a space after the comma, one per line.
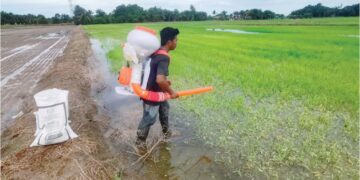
[286, 102]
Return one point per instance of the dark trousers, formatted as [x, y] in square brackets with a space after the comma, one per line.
[149, 118]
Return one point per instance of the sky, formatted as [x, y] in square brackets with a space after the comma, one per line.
[50, 7]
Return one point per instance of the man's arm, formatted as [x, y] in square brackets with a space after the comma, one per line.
[164, 84]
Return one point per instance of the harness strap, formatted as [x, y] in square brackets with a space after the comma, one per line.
[162, 52]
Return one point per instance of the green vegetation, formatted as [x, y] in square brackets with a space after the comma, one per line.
[322, 11]
[11, 19]
[286, 100]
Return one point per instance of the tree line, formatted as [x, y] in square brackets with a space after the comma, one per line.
[133, 13]
[10, 18]
[251, 14]
[319, 10]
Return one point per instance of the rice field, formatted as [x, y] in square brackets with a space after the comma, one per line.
[286, 99]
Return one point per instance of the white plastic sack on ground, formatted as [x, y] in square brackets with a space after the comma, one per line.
[52, 118]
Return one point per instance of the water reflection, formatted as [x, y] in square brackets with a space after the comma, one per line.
[231, 30]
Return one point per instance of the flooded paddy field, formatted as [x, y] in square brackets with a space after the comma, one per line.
[285, 103]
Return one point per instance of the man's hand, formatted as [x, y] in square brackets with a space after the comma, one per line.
[164, 84]
[174, 95]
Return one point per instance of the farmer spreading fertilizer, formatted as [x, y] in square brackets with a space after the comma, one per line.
[157, 82]
[147, 77]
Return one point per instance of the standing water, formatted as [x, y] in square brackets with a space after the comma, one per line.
[232, 31]
[183, 156]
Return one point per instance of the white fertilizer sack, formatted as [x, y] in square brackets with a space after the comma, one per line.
[52, 123]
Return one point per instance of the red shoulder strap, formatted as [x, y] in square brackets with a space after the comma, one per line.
[162, 52]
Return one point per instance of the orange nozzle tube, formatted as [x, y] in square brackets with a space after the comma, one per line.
[195, 91]
[125, 78]
[150, 95]
[138, 91]
[161, 96]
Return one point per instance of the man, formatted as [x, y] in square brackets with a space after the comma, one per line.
[157, 82]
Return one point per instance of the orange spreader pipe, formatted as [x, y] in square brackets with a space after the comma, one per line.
[125, 78]
[195, 91]
[161, 96]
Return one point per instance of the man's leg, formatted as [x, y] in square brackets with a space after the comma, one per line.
[148, 119]
[164, 118]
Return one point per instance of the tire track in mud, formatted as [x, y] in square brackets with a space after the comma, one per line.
[39, 67]
[35, 70]
[16, 62]
[10, 65]
[19, 51]
[31, 61]
[32, 74]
